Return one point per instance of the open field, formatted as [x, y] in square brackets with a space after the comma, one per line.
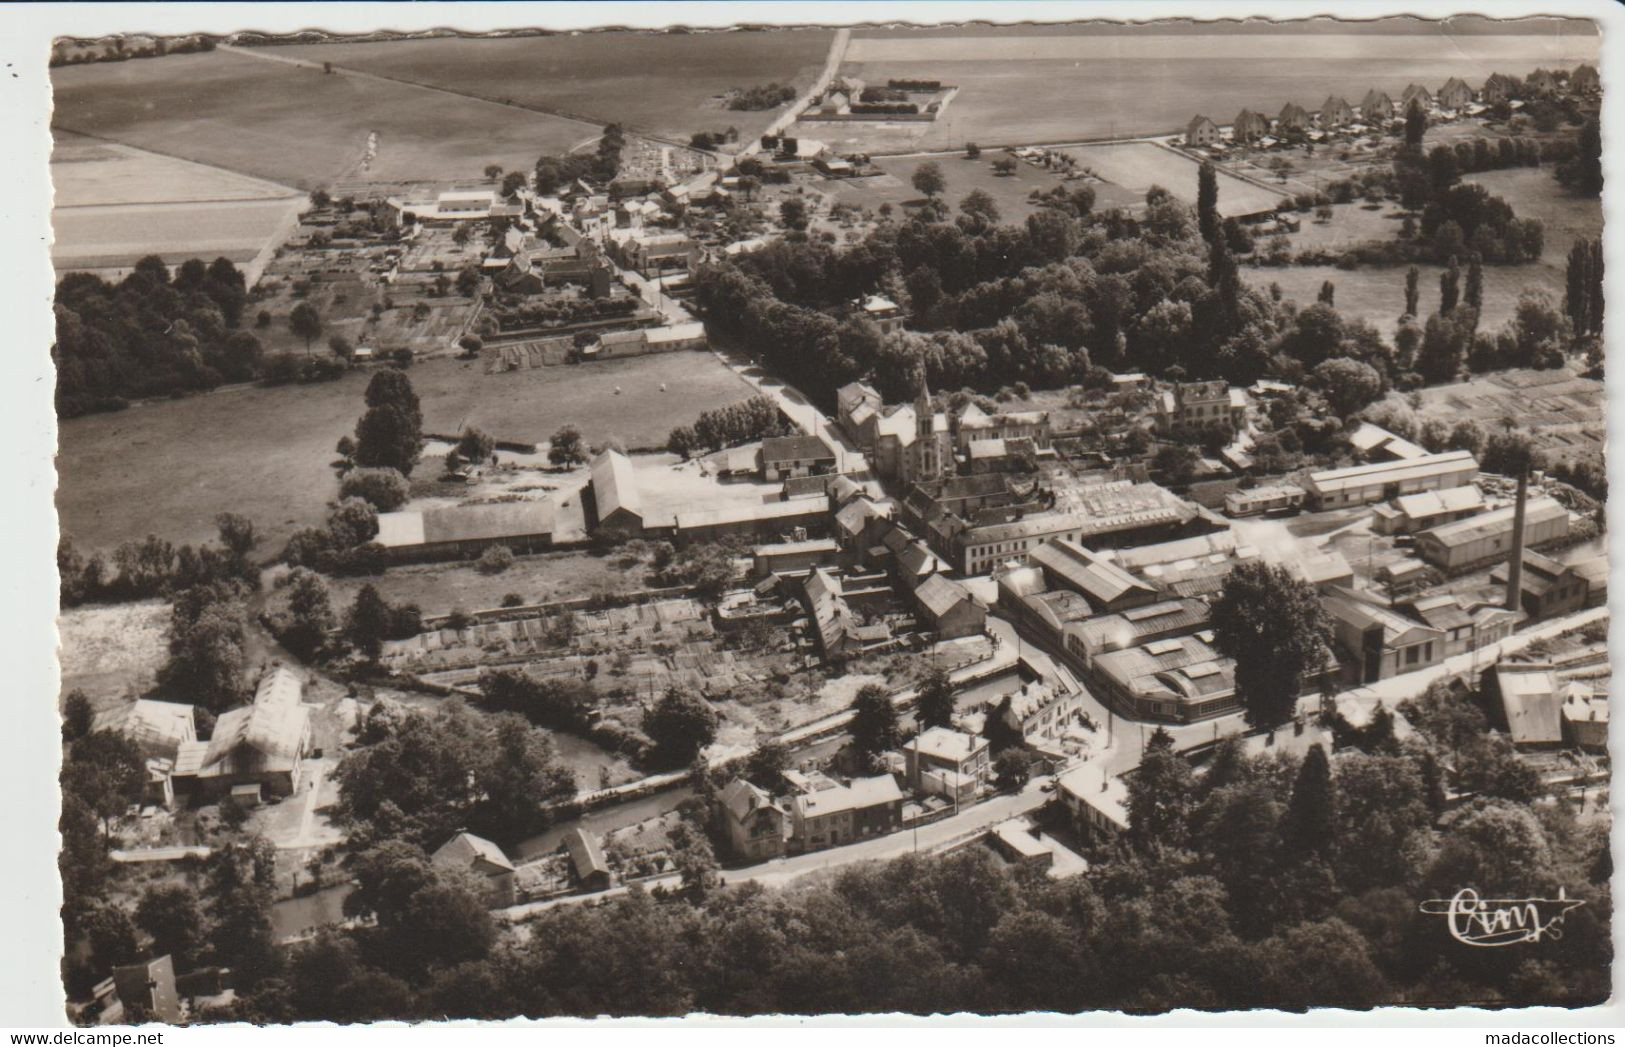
[1137, 166]
[1078, 82]
[169, 466]
[109, 649]
[661, 83]
[437, 588]
[86, 172]
[1377, 294]
[118, 235]
[295, 125]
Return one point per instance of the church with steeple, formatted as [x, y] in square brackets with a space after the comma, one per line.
[931, 455]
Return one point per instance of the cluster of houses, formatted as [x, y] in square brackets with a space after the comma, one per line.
[578, 864]
[1377, 110]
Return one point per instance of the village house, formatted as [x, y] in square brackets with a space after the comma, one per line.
[1335, 112]
[1197, 404]
[255, 750]
[136, 994]
[1250, 126]
[1527, 701]
[589, 871]
[1376, 107]
[1415, 93]
[484, 860]
[1095, 800]
[1201, 131]
[756, 827]
[1498, 88]
[884, 313]
[1293, 117]
[1455, 94]
[941, 761]
[975, 424]
[792, 559]
[832, 814]
[801, 455]
[1540, 84]
[1585, 81]
[947, 609]
[1038, 713]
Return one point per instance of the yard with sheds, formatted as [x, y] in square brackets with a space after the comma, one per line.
[662, 83]
[168, 467]
[1377, 293]
[296, 125]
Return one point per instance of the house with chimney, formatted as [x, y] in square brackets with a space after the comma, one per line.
[756, 827]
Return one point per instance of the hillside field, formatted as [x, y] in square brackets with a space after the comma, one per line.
[660, 83]
[167, 467]
[296, 125]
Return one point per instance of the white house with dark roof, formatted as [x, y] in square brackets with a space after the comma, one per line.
[484, 860]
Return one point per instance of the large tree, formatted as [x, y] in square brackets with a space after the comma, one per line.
[935, 703]
[874, 724]
[1161, 796]
[305, 322]
[1309, 826]
[680, 724]
[1273, 625]
[928, 179]
[1207, 201]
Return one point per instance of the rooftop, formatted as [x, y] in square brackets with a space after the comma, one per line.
[1393, 472]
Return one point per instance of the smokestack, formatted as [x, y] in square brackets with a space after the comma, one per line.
[1515, 565]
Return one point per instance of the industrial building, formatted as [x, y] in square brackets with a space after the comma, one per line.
[1487, 536]
[463, 531]
[1385, 481]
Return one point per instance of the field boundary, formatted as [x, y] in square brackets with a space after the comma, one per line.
[593, 123]
[293, 191]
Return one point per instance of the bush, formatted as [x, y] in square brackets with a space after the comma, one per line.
[496, 559]
[384, 489]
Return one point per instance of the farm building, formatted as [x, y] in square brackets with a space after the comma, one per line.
[1250, 126]
[1376, 107]
[1335, 112]
[259, 745]
[467, 853]
[1584, 80]
[1263, 499]
[158, 729]
[794, 558]
[760, 521]
[616, 345]
[614, 503]
[1383, 481]
[1201, 131]
[1418, 512]
[884, 313]
[463, 531]
[1455, 94]
[948, 609]
[1484, 537]
[802, 455]
[1549, 588]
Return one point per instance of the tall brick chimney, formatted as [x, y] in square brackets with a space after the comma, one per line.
[1515, 565]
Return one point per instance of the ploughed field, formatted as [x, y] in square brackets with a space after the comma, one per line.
[296, 125]
[1078, 82]
[660, 83]
[167, 467]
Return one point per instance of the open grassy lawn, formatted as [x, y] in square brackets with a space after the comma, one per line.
[296, 125]
[108, 650]
[118, 235]
[662, 83]
[169, 466]
[1377, 294]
